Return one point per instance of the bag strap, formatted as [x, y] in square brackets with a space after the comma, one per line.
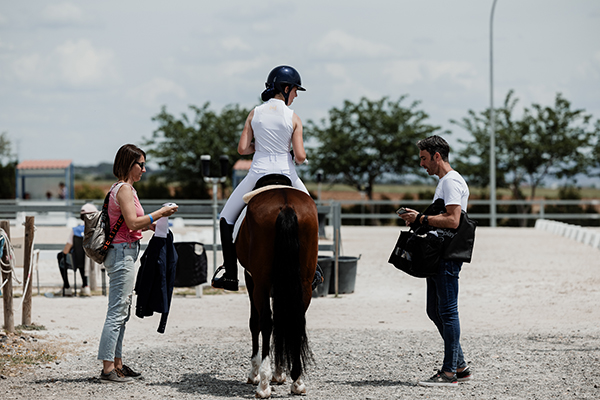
[117, 226]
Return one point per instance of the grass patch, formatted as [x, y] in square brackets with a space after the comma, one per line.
[18, 351]
[32, 327]
[206, 291]
[209, 290]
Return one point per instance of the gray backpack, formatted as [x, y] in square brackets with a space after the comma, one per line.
[96, 237]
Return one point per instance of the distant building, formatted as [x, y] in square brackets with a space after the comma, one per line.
[240, 170]
[36, 178]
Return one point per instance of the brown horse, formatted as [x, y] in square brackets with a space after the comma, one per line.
[277, 245]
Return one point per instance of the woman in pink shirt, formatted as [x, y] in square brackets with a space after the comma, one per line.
[129, 165]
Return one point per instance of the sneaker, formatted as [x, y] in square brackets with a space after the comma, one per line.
[464, 375]
[68, 292]
[114, 376]
[440, 379]
[85, 292]
[126, 371]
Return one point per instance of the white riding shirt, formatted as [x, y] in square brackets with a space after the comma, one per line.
[272, 127]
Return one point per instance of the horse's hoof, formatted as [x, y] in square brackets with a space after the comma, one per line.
[253, 381]
[263, 394]
[298, 387]
[278, 379]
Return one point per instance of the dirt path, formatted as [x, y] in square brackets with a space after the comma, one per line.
[529, 315]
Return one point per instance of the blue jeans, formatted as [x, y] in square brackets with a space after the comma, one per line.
[442, 309]
[120, 267]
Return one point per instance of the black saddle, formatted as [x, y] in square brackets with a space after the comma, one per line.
[273, 179]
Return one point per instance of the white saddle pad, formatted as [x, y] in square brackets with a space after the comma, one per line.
[238, 223]
[248, 196]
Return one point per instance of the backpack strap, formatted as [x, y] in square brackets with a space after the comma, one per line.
[115, 229]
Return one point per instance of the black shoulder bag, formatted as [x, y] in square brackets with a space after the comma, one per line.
[417, 253]
[419, 250]
[458, 245]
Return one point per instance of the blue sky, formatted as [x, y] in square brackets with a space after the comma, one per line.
[79, 79]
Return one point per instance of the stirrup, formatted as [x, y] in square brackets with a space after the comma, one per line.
[318, 279]
[223, 282]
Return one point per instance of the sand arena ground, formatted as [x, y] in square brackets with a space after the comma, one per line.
[528, 305]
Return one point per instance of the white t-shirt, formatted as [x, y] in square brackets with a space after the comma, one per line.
[453, 189]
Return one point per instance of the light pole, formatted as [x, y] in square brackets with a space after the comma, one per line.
[492, 127]
[215, 180]
[319, 181]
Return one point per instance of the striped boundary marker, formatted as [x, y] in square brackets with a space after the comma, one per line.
[574, 232]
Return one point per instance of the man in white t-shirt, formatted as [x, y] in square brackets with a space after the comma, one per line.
[442, 289]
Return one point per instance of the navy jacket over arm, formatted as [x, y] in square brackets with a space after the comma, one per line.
[155, 279]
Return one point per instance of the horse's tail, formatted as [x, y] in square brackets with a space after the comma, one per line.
[289, 322]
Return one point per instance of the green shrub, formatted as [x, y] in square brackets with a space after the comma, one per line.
[88, 192]
[153, 188]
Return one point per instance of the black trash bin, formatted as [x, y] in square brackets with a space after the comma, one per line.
[347, 274]
[326, 264]
[191, 264]
[322, 220]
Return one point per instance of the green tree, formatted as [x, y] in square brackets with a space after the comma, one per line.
[361, 142]
[596, 153]
[177, 144]
[5, 147]
[545, 142]
[7, 168]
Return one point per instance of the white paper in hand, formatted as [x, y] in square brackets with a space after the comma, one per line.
[162, 225]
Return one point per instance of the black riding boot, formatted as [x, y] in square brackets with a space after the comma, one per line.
[229, 279]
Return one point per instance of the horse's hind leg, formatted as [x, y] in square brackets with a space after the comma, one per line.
[263, 390]
[279, 375]
[253, 375]
[298, 386]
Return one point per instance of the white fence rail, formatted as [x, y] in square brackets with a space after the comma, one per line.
[539, 208]
[202, 209]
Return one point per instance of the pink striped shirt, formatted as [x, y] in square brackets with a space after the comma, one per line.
[124, 234]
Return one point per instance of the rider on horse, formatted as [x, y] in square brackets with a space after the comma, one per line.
[268, 132]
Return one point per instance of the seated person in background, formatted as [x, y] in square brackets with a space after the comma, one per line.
[62, 191]
[74, 246]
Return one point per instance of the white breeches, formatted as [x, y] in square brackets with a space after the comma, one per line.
[262, 164]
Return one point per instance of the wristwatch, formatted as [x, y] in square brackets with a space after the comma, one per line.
[425, 220]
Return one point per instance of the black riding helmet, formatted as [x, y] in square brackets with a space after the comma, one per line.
[279, 78]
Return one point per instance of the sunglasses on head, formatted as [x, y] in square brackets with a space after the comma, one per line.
[141, 164]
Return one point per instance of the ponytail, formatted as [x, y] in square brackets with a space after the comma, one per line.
[268, 94]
